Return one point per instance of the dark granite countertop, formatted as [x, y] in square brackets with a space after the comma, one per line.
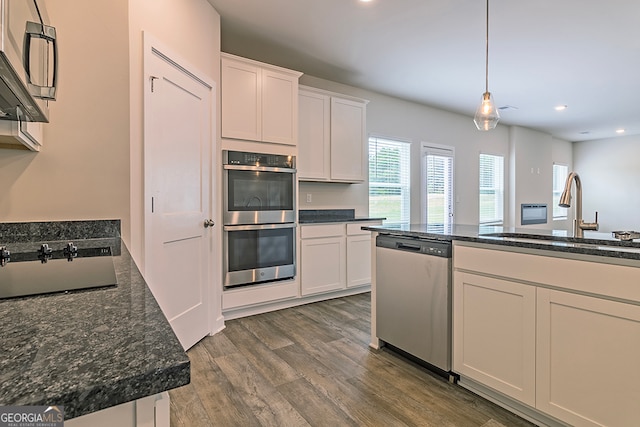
[318, 216]
[88, 350]
[594, 243]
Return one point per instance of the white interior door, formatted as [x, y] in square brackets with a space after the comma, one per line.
[178, 140]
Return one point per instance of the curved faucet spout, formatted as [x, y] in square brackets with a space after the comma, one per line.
[565, 201]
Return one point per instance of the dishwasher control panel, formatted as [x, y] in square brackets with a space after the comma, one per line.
[423, 246]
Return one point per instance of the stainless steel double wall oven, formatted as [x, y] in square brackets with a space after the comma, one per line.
[259, 218]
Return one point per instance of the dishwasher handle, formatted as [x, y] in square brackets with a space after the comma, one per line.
[407, 247]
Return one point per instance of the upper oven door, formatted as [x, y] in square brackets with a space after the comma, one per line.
[259, 195]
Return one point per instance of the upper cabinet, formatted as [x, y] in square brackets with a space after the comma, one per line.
[259, 101]
[332, 137]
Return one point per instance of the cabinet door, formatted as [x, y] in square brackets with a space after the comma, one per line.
[588, 351]
[314, 136]
[322, 265]
[494, 334]
[241, 100]
[348, 147]
[279, 107]
[359, 260]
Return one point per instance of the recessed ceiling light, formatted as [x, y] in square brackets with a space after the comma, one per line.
[560, 107]
[619, 130]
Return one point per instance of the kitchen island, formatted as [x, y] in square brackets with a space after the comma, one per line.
[541, 319]
[88, 350]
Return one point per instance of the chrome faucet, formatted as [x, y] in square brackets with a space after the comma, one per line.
[565, 201]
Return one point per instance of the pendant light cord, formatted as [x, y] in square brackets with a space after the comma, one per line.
[487, 53]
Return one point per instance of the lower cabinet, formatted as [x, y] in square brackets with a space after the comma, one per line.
[323, 261]
[494, 332]
[150, 411]
[587, 359]
[358, 255]
[334, 256]
[523, 326]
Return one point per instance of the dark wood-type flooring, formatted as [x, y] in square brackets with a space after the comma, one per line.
[312, 365]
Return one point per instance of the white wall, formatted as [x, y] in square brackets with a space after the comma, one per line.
[530, 172]
[610, 173]
[82, 171]
[191, 28]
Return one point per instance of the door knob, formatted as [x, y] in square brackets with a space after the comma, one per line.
[208, 223]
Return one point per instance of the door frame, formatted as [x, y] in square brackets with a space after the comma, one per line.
[152, 46]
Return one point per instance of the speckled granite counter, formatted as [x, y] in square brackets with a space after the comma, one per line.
[594, 243]
[318, 216]
[87, 350]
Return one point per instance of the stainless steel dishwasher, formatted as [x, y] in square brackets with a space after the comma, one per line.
[413, 298]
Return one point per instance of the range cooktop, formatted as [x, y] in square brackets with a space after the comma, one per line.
[47, 271]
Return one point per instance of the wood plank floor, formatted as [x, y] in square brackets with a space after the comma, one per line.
[312, 366]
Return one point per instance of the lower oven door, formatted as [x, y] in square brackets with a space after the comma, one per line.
[259, 253]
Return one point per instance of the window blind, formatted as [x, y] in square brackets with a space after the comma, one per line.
[560, 173]
[437, 171]
[389, 183]
[491, 199]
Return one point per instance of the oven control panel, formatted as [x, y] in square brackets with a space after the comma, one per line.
[241, 158]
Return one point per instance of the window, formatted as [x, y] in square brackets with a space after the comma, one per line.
[491, 198]
[437, 185]
[560, 173]
[389, 189]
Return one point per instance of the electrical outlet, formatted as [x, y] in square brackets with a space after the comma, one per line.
[308, 197]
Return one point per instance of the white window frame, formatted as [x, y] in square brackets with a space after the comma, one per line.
[494, 221]
[427, 149]
[404, 185]
[558, 213]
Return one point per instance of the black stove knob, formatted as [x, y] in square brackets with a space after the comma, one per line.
[45, 249]
[4, 256]
[70, 251]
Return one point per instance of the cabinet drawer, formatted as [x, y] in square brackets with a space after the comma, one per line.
[323, 230]
[355, 228]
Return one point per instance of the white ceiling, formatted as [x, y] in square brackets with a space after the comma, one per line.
[542, 53]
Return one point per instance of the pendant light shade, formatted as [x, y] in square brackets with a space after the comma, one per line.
[487, 116]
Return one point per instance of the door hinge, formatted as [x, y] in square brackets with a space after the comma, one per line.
[153, 79]
[152, 205]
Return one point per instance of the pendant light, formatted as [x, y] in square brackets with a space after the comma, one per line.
[487, 115]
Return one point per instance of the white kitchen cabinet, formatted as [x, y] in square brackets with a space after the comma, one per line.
[332, 137]
[323, 258]
[494, 330]
[314, 150]
[358, 255]
[259, 101]
[348, 143]
[563, 327]
[587, 353]
[334, 256]
[150, 411]
[16, 134]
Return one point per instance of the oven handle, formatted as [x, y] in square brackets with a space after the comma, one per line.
[258, 168]
[258, 226]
